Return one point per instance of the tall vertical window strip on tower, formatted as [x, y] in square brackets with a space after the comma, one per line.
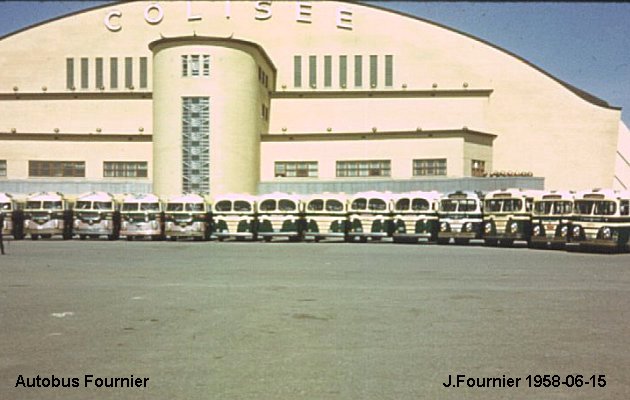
[98, 72]
[128, 72]
[343, 71]
[3, 168]
[84, 73]
[113, 73]
[143, 72]
[358, 71]
[312, 71]
[373, 71]
[389, 71]
[297, 71]
[69, 73]
[196, 144]
[327, 71]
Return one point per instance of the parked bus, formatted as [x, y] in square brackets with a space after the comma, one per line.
[415, 217]
[326, 216]
[601, 221]
[96, 214]
[552, 216]
[507, 216]
[461, 217]
[13, 217]
[280, 215]
[141, 217]
[234, 216]
[370, 216]
[47, 214]
[187, 216]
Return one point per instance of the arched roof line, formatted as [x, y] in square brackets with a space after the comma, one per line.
[578, 92]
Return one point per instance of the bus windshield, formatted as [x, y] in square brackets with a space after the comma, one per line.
[240, 205]
[102, 205]
[377, 205]
[359, 204]
[53, 205]
[195, 207]
[223, 206]
[504, 205]
[150, 206]
[464, 205]
[130, 207]
[553, 207]
[334, 205]
[590, 207]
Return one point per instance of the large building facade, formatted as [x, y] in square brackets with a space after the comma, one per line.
[254, 96]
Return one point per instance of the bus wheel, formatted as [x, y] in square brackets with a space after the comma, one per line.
[490, 242]
[129, 238]
[363, 239]
[172, 238]
[82, 237]
[34, 237]
[268, 239]
[462, 242]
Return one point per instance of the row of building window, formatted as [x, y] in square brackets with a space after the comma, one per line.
[342, 67]
[284, 169]
[195, 65]
[368, 168]
[76, 169]
[99, 69]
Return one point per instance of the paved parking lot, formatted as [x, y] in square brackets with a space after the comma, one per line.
[309, 321]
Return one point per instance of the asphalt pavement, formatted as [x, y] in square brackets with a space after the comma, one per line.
[310, 321]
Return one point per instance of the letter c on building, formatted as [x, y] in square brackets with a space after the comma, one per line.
[108, 20]
[158, 18]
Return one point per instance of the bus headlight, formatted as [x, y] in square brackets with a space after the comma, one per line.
[513, 227]
[564, 231]
[468, 227]
[606, 233]
[443, 227]
[537, 230]
[577, 231]
[488, 227]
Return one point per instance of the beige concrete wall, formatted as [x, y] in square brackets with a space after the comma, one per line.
[622, 159]
[235, 119]
[401, 152]
[124, 116]
[541, 125]
[477, 151]
[309, 115]
[19, 152]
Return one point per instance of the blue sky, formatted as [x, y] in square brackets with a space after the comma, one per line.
[584, 44]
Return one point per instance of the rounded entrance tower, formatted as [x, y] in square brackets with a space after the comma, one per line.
[210, 105]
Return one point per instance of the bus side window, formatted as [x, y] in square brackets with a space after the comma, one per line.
[624, 208]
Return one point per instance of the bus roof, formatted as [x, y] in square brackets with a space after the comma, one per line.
[597, 194]
[140, 198]
[432, 195]
[5, 198]
[96, 196]
[555, 195]
[45, 196]
[186, 198]
[234, 197]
